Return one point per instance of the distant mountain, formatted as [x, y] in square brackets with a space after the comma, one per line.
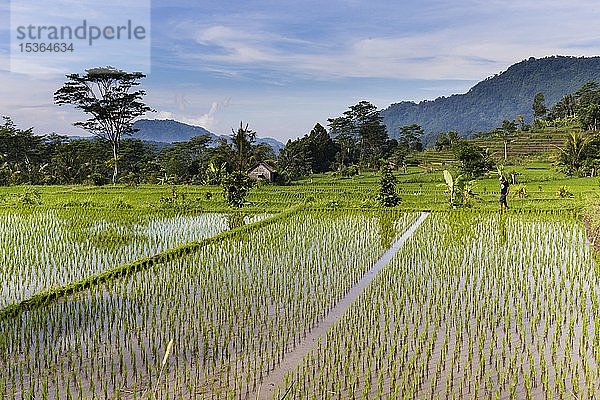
[502, 96]
[274, 143]
[170, 131]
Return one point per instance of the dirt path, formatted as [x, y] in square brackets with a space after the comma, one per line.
[293, 358]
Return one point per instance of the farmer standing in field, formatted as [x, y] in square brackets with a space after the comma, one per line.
[503, 193]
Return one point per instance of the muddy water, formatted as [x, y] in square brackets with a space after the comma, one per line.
[292, 359]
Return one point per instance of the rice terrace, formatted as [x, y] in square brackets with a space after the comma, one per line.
[384, 270]
[122, 294]
[237, 200]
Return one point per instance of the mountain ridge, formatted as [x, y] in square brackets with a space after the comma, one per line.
[170, 131]
[502, 96]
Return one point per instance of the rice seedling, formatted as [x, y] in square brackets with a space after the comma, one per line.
[47, 248]
[224, 314]
[471, 307]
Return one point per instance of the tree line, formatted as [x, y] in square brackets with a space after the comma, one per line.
[26, 158]
[111, 101]
[354, 141]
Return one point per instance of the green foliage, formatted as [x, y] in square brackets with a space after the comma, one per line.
[139, 158]
[350, 171]
[589, 116]
[235, 188]
[387, 188]
[474, 160]
[579, 108]
[460, 189]
[58, 160]
[508, 127]
[129, 179]
[504, 95]
[539, 106]
[467, 189]
[105, 95]
[241, 152]
[235, 220]
[449, 179]
[21, 155]
[295, 159]
[186, 161]
[520, 191]
[578, 152]
[410, 137]
[564, 192]
[360, 136]
[313, 153]
[214, 173]
[566, 107]
[180, 201]
[79, 161]
[96, 179]
[505, 132]
[30, 197]
[588, 105]
[242, 147]
[443, 142]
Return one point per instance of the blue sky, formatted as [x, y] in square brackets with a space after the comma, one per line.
[282, 66]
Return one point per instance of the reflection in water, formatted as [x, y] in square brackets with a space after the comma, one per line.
[387, 229]
[235, 220]
[502, 230]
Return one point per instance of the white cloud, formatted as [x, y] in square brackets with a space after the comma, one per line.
[488, 37]
[29, 101]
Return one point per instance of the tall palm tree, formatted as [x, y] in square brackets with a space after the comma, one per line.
[242, 141]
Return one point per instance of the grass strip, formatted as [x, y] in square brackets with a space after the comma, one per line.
[49, 296]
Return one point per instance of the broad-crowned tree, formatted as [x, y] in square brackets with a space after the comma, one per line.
[107, 95]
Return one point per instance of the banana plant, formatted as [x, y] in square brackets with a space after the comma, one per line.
[500, 170]
[214, 174]
[450, 184]
[459, 187]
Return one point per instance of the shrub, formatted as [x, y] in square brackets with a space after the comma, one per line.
[235, 188]
[564, 192]
[350, 171]
[387, 188]
[520, 191]
[130, 179]
[30, 197]
[474, 160]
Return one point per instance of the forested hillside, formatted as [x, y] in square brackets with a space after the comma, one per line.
[502, 96]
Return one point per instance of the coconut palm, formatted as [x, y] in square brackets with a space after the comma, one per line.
[574, 151]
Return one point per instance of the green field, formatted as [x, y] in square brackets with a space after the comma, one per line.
[419, 189]
[165, 292]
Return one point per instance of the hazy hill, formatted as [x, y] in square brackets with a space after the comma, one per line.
[502, 96]
[170, 131]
